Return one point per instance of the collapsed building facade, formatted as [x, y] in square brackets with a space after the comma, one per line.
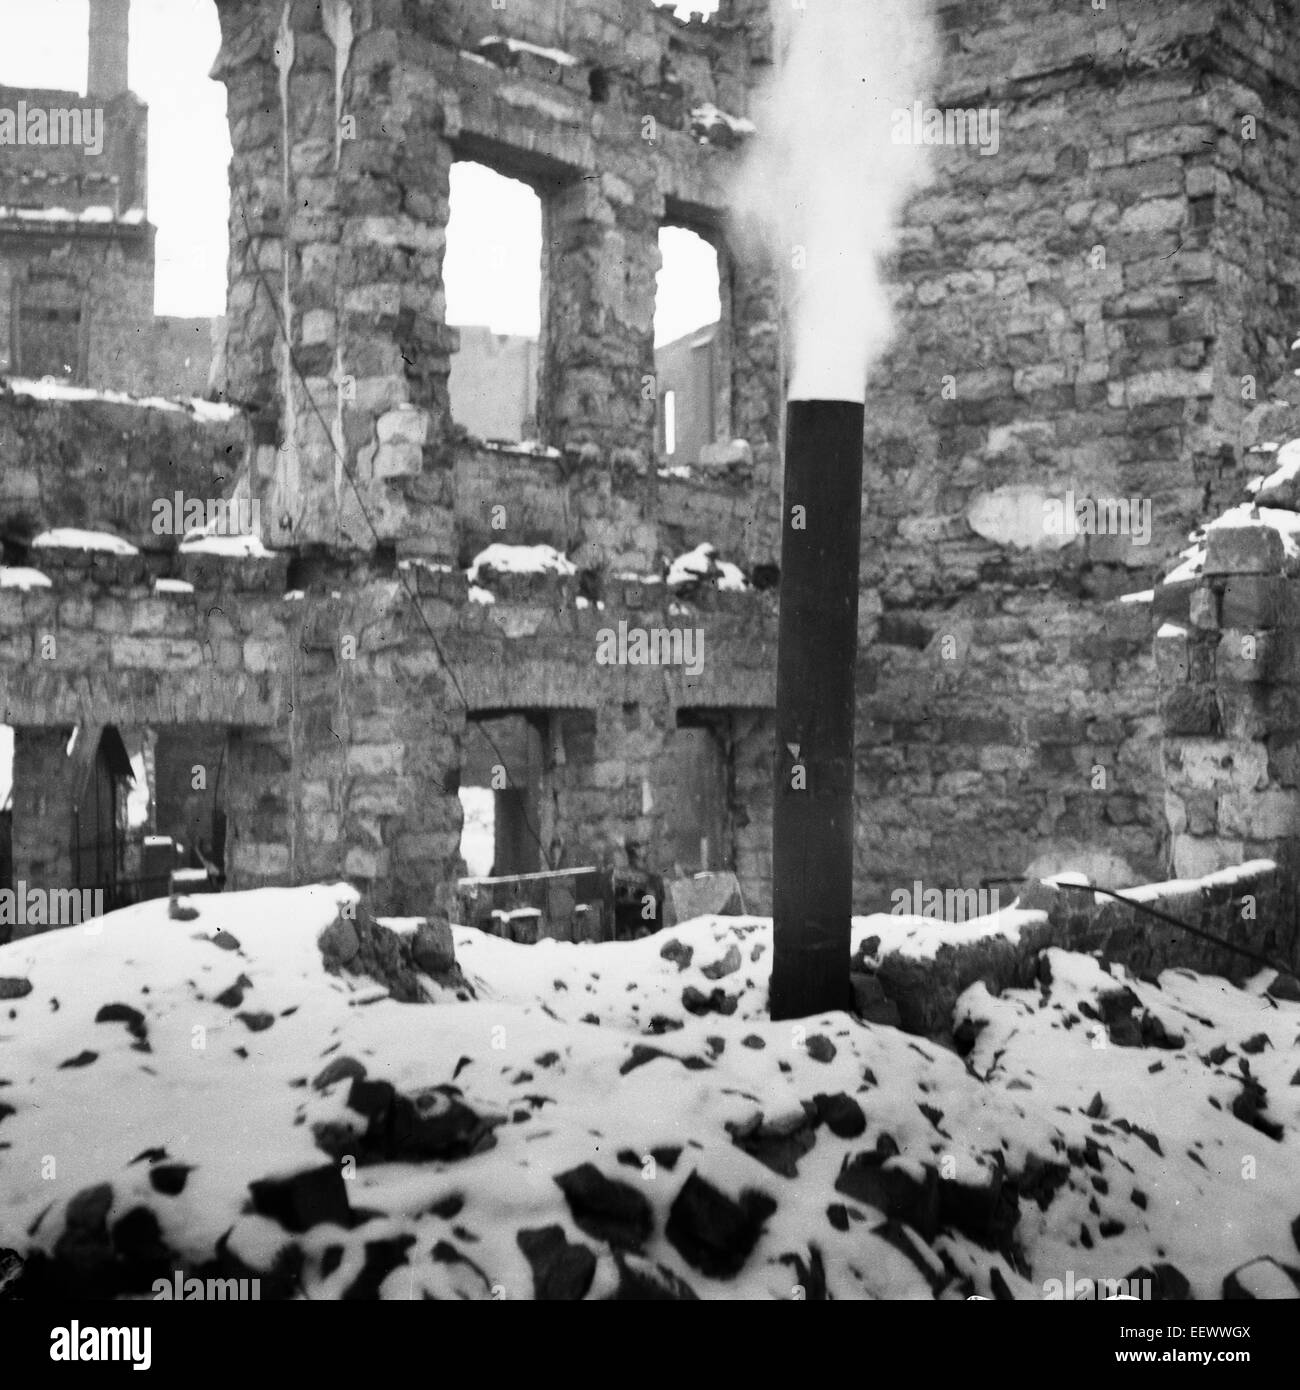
[1078, 315]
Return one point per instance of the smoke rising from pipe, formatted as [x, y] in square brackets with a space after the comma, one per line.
[824, 181]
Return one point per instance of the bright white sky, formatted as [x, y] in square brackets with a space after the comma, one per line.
[494, 243]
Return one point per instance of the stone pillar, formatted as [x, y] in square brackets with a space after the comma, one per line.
[598, 315]
[338, 230]
[597, 399]
[248, 368]
[42, 812]
[1229, 667]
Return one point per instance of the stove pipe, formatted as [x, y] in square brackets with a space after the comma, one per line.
[812, 824]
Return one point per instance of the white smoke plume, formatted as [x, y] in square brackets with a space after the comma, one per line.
[826, 183]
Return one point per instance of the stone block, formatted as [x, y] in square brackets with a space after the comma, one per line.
[260, 861]
[1172, 601]
[1173, 654]
[1190, 711]
[1205, 764]
[407, 424]
[723, 455]
[374, 759]
[261, 656]
[1249, 549]
[156, 653]
[1260, 815]
[364, 863]
[1243, 710]
[1253, 601]
[1195, 857]
[1247, 657]
[397, 460]
[1203, 608]
[434, 948]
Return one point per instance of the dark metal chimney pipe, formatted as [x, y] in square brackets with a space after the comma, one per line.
[812, 825]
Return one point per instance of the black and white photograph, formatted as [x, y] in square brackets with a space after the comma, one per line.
[649, 651]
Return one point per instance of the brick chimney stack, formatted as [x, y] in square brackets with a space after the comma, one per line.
[109, 47]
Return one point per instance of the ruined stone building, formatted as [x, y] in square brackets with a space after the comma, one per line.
[76, 245]
[1076, 315]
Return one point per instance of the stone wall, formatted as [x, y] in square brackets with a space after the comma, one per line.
[77, 214]
[343, 716]
[75, 176]
[108, 270]
[1073, 318]
[103, 463]
[1230, 684]
[1252, 906]
[1076, 314]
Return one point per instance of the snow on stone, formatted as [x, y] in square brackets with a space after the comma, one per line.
[70, 538]
[172, 586]
[51, 389]
[552, 55]
[533, 447]
[1286, 523]
[639, 1072]
[703, 563]
[19, 577]
[1280, 519]
[232, 547]
[920, 936]
[520, 559]
[420, 562]
[1282, 486]
[1192, 564]
[1176, 1100]
[478, 594]
[96, 214]
[707, 117]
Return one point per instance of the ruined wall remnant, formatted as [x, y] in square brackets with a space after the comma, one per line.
[1228, 653]
[343, 240]
[1078, 314]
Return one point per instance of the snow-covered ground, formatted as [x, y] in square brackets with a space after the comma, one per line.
[1097, 1126]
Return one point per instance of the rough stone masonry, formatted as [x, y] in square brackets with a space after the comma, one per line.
[1078, 313]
